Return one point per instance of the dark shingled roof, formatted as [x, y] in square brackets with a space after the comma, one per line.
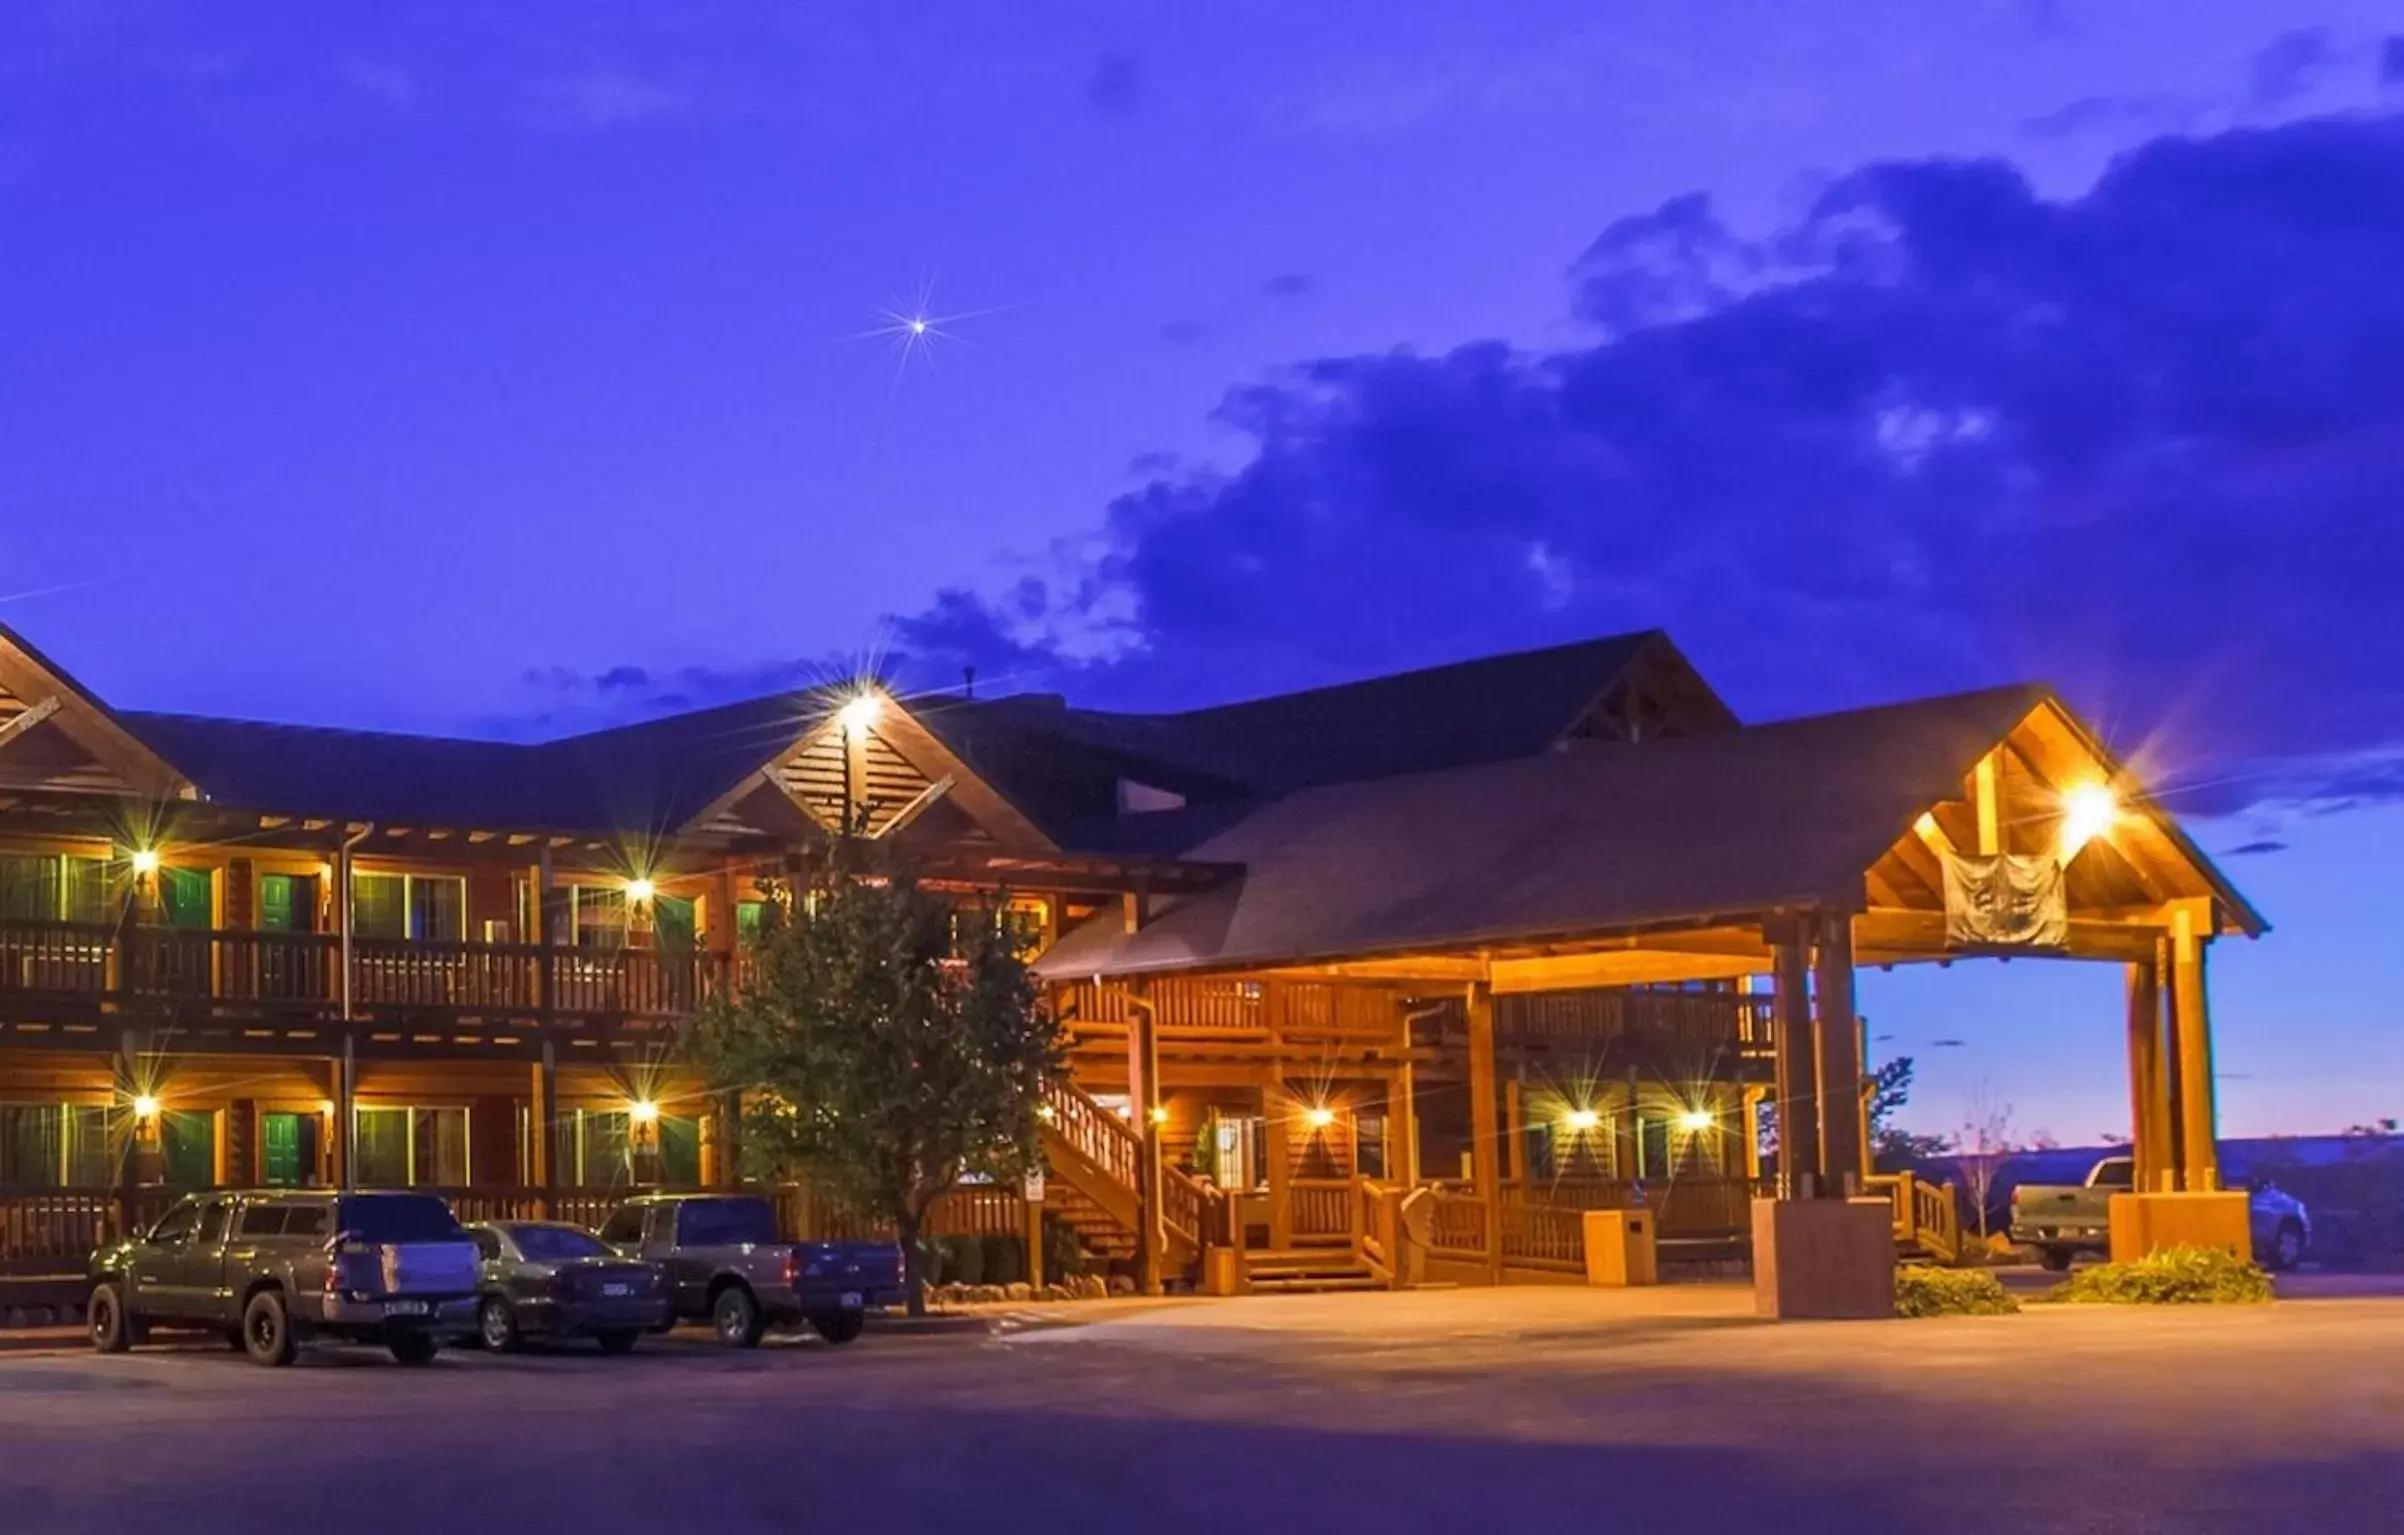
[1604, 835]
[1060, 766]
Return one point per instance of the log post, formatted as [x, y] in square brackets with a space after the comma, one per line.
[1485, 1161]
[1798, 1061]
[2199, 1121]
[2149, 1091]
[1143, 1072]
[541, 1113]
[1843, 1157]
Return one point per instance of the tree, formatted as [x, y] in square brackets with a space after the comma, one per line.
[1892, 1147]
[891, 1044]
[1984, 1144]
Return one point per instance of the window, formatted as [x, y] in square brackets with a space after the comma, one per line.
[2115, 1173]
[53, 888]
[1653, 1146]
[177, 1223]
[187, 898]
[288, 903]
[429, 908]
[305, 1221]
[412, 1147]
[288, 1149]
[751, 919]
[488, 1245]
[724, 1222]
[55, 1146]
[625, 1227]
[1369, 1145]
[590, 1149]
[599, 914]
[213, 1220]
[263, 1220]
[400, 1218]
[557, 1244]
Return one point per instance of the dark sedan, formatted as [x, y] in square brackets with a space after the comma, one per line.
[548, 1279]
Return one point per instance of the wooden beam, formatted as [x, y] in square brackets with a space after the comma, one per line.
[26, 719]
[1844, 1155]
[1485, 1136]
[1576, 972]
[1798, 1064]
[2199, 1120]
[1990, 808]
[1895, 936]
[918, 805]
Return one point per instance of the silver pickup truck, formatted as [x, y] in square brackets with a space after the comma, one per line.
[2062, 1220]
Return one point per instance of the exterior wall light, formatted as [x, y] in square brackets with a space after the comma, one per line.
[146, 861]
[1159, 1115]
[145, 1106]
[1319, 1118]
[1696, 1121]
[2088, 811]
[859, 715]
[640, 891]
[1582, 1121]
[643, 1111]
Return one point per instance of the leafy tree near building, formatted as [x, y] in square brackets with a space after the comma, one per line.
[891, 1044]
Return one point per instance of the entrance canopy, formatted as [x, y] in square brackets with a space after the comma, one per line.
[1610, 863]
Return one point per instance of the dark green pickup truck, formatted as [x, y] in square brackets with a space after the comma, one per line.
[276, 1268]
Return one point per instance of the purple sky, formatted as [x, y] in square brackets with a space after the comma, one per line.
[477, 367]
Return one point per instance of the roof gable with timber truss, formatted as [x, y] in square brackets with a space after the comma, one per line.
[1572, 865]
[56, 736]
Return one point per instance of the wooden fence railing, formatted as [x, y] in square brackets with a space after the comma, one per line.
[1540, 1236]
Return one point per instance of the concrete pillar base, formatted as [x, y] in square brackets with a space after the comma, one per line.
[1619, 1248]
[2152, 1223]
[1829, 1259]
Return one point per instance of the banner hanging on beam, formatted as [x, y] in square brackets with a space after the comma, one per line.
[2005, 901]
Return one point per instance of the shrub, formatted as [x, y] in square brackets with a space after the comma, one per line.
[964, 1260]
[1005, 1260]
[2178, 1276]
[1922, 1291]
[1064, 1254]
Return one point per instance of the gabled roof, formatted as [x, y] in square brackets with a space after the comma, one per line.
[77, 740]
[1604, 836]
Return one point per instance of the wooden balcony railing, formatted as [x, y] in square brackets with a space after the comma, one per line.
[1092, 1131]
[299, 975]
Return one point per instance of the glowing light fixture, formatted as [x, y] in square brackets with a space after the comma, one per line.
[1159, 1115]
[1582, 1121]
[859, 715]
[2088, 811]
[1319, 1118]
[146, 860]
[643, 1111]
[639, 890]
[1046, 1113]
[145, 1106]
[325, 1108]
[1696, 1121]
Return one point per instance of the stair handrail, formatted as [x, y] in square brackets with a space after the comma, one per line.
[1092, 1131]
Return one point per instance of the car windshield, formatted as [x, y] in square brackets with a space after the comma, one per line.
[399, 1218]
[556, 1244]
[725, 1222]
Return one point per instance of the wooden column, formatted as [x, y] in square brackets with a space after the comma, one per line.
[2149, 1085]
[1749, 1126]
[1515, 1132]
[2199, 1120]
[1034, 1243]
[344, 1140]
[1143, 1081]
[542, 1108]
[1277, 1117]
[1798, 1062]
[1485, 1136]
[1844, 1155]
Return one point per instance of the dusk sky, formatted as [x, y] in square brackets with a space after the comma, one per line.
[502, 369]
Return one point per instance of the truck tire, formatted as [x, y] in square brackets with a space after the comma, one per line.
[413, 1348]
[267, 1330]
[735, 1317]
[2286, 1248]
[2057, 1260]
[839, 1326]
[111, 1327]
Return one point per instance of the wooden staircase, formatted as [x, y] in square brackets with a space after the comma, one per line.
[1294, 1270]
[1928, 1224]
[1095, 1162]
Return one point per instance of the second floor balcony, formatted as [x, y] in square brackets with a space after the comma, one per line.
[68, 971]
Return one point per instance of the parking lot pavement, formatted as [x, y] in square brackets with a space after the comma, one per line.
[1476, 1411]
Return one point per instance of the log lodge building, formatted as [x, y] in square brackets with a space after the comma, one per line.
[1367, 984]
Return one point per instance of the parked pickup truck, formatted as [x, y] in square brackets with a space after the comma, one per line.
[2062, 1220]
[727, 1266]
[278, 1268]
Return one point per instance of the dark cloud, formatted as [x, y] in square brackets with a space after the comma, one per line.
[2256, 848]
[1289, 285]
[1115, 87]
[2289, 65]
[1938, 432]
[2111, 114]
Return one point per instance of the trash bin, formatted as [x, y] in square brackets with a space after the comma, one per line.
[1619, 1248]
